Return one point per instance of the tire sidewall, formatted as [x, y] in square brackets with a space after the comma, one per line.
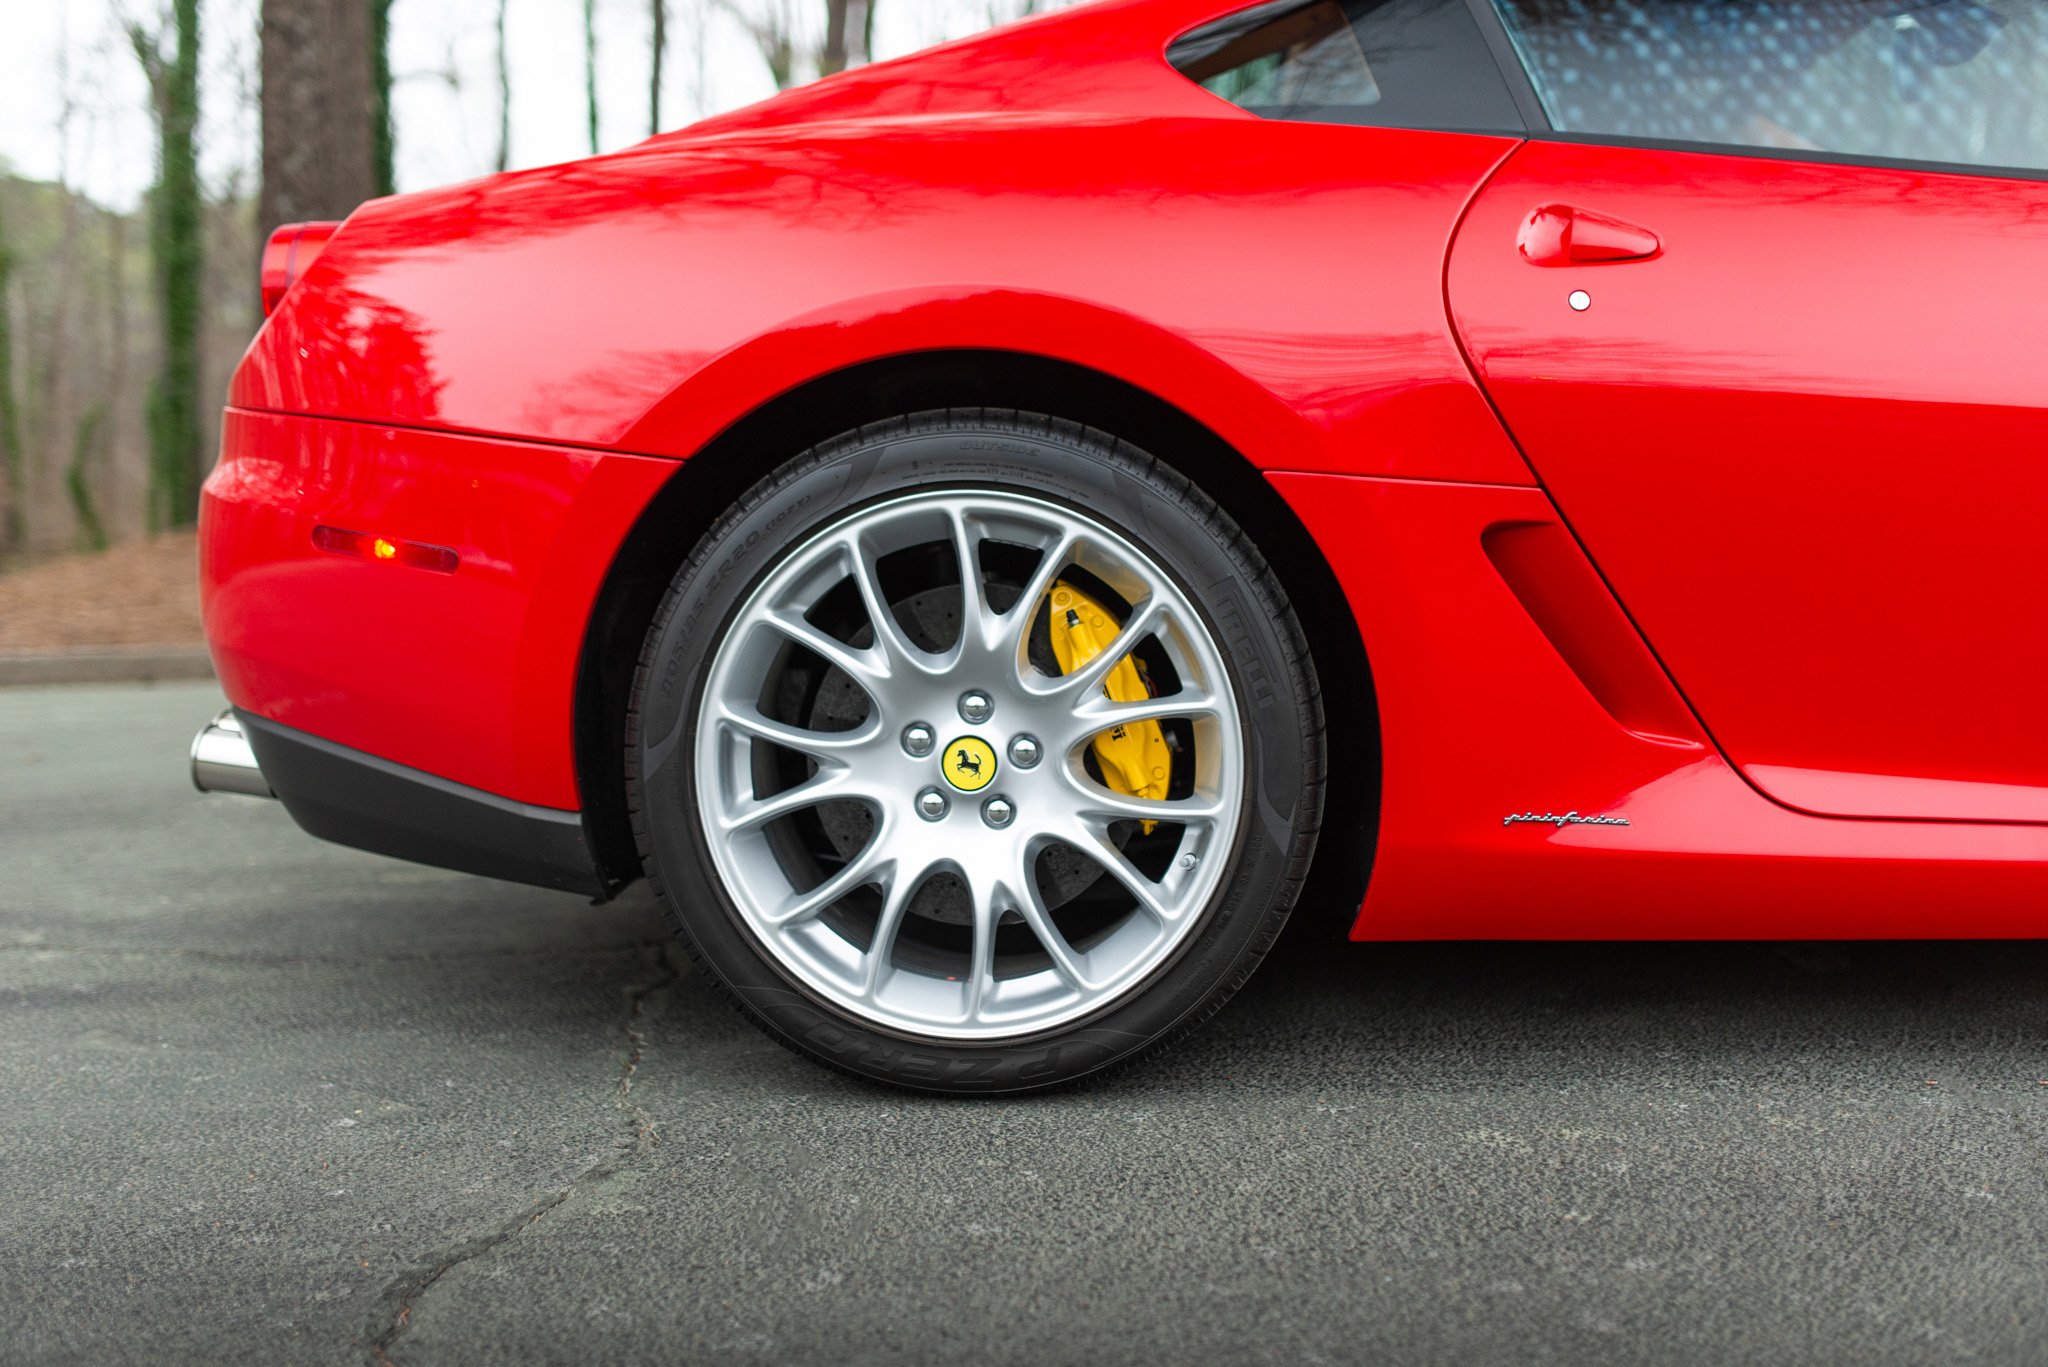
[1100, 481]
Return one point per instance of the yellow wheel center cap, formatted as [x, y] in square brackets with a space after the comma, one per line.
[969, 763]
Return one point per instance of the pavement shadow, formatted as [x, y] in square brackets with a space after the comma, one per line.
[1517, 1013]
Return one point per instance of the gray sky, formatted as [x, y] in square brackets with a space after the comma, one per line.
[71, 54]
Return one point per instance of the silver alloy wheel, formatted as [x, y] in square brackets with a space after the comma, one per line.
[1051, 803]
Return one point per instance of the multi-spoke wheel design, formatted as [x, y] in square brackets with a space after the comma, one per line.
[904, 795]
[975, 751]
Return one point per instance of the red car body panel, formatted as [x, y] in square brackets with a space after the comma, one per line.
[469, 676]
[645, 302]
[513, 369]
[1808, 444]
[1482, 716]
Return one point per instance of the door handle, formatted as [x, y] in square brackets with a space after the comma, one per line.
[1560, 235]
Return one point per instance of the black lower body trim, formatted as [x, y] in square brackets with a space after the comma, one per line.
[356, 799]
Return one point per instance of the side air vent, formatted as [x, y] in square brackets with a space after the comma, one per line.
[1573, 608]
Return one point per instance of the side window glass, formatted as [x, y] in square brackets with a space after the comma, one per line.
[1952, 81]
[1304, 59]
[1393, 63]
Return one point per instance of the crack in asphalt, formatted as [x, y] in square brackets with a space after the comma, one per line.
[645, 1135]
[395, 1305]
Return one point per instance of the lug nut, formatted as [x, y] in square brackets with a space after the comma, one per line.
[918, 739]
[1025, 751]
[975, 707]
[931, 804]
[998, 812]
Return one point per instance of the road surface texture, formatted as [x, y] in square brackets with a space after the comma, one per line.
[266, 1100]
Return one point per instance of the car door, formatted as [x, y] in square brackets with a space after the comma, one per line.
[1795, 403]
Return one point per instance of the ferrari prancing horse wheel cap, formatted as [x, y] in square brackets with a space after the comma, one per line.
[969, 764]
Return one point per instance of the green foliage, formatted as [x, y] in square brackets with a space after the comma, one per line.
[92, 531]
[177, 251]
[383, 139]
[590, 69]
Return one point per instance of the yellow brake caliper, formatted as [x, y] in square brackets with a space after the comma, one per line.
[1135, 759]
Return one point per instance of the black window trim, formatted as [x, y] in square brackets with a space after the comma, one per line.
[1220, 31]
[1513, 74]
[1811, 157]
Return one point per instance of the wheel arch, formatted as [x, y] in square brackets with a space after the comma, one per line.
[709, 481]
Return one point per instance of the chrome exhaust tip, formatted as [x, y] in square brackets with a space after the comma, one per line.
[222, 761]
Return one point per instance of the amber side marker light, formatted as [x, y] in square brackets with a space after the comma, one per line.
[388, 549]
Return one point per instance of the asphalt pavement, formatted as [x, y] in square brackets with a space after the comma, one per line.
[267, 1100]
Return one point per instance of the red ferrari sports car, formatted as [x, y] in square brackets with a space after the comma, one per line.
[983, 533]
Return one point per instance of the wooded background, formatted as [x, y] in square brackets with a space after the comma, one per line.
[118, 328]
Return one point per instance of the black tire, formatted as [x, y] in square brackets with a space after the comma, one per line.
[1157, 509]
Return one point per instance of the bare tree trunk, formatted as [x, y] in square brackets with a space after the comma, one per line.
[700, 49]
[52, 385]
[319, 109]
[660, 51]
[113, 480]
[832, 57]
[11, 463]
[849, 35]
[123, 479]
[590, 68]
[504, 94]
[177, 253]
[772, 26]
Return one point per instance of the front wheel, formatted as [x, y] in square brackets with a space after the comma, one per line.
[976, 752]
